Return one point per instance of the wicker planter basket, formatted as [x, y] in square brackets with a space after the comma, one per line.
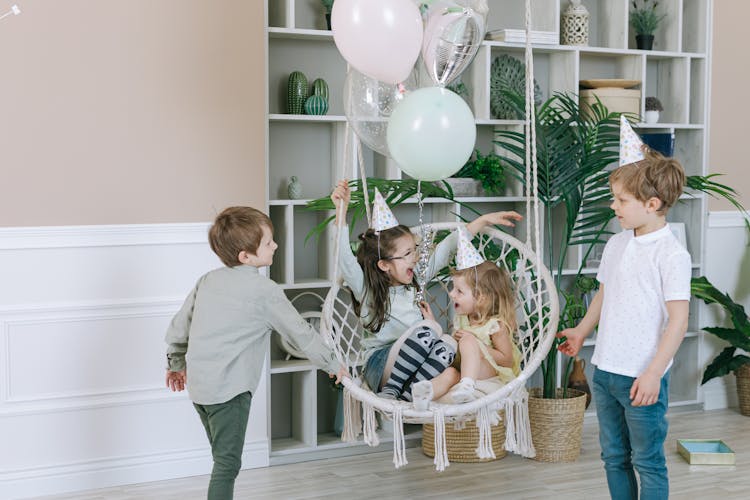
[557, 425]
[743, 388]
[461, 445]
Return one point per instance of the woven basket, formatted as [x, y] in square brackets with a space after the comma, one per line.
[557, 425]
[462, 445]
[743, 388]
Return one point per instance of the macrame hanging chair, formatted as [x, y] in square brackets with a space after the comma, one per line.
[537, 314]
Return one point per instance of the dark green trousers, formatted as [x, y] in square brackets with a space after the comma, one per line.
[225, 425]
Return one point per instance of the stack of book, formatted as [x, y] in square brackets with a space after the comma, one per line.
[519, 36]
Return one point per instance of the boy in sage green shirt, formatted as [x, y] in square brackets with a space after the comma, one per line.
[217, 338]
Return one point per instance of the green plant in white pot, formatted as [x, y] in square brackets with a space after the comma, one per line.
[645, 20]
[653, 108]
[481, 175]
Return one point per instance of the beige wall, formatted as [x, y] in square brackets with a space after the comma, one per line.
[130, 111]
[730, 107]
[136, 111]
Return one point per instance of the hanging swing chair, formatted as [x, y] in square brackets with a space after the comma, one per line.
[537, 311]
[537, 314]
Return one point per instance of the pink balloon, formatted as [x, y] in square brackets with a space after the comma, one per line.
[381, 38]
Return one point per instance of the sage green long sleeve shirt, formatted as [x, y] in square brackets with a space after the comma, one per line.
[219, 333]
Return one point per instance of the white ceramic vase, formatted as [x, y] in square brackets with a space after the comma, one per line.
[651, 116]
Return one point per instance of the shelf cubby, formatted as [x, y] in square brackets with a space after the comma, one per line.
[597, 64]
[689, 150]
[316, 58]
[697, 112]
[694, 26]
[293, 397]
[667, 78]
[608, 22]
[506, 14]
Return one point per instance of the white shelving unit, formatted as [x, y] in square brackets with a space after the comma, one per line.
[302, 404]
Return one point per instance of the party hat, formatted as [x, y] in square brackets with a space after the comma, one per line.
[382, 217]
[466, 256]
[631, 146]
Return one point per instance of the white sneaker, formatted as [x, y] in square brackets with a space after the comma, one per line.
[421, 393]
[463, 392]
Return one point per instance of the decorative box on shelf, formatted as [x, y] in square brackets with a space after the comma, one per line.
[705, 451]
[615, 99]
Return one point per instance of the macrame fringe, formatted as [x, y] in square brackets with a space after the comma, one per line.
[370, 425]
[518, 425]
[399, 443]
[441, 449]
[484, 423]
[352, 418]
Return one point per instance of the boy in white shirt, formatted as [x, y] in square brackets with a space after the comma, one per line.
[642, 312]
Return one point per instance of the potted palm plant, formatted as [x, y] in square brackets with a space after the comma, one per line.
[738, 337]
[645, 20]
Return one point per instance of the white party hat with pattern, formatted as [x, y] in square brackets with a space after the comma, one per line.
[382, 217]
[466, 255]
[631, 146]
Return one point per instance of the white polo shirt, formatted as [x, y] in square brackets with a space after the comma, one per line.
[640, 275]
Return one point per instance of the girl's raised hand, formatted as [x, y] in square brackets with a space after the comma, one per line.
[341, 193]
[505, 218]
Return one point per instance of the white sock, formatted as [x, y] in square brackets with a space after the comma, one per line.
[463, 392]
[470, 382]
[421, 393]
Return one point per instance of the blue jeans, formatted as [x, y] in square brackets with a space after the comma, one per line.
[631, 436]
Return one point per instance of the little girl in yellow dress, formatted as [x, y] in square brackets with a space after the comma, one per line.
[483, 298]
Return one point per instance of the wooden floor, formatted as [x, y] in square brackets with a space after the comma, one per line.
[373, 476]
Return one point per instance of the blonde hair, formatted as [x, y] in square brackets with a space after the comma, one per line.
[653, 177]
[237, 229]
[494, 292]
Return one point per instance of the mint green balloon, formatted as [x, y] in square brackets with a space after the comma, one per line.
[431, 133]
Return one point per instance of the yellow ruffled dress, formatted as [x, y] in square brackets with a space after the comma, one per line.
[482, 333]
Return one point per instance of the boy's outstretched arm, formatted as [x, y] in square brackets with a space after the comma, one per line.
[645, 389]
[575, 336]
[505, 218]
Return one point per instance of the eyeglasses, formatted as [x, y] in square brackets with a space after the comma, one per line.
[407, 256]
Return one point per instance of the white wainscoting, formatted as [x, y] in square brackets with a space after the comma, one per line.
[728, 268]
[83, 311]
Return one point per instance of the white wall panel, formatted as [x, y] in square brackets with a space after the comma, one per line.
[83, 311]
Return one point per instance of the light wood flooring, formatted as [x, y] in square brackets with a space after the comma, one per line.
[373, 476]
